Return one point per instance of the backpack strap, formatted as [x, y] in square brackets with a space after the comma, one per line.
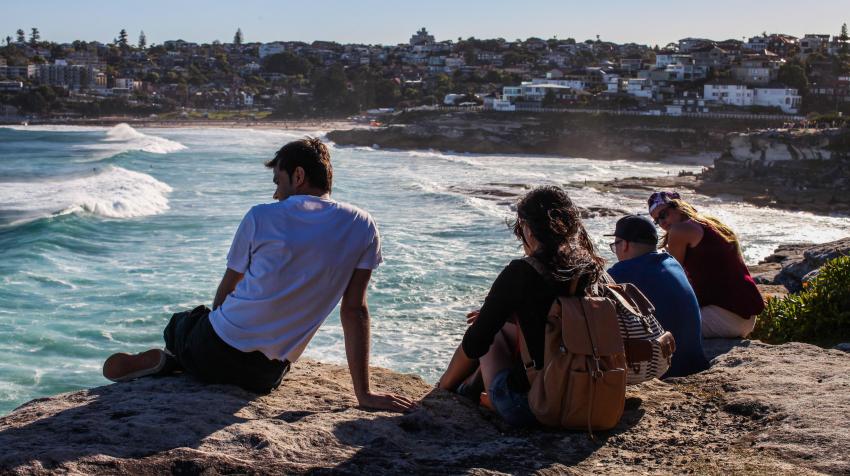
[594, 370]
[535, 263]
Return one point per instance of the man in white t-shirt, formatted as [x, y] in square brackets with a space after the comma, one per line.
[289, 265]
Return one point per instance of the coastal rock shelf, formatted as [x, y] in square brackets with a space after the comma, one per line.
[760, 408]
[792, 264]
[795, 169]
[596, 136]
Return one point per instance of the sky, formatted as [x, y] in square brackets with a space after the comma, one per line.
[390, 22]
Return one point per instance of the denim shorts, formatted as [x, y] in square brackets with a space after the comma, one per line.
[510, 405]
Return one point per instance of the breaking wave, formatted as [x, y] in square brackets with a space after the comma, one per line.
[113, 192]
[123, 138]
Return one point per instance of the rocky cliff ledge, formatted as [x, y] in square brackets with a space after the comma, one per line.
[760, 408]
[797, 169]
[792, 264]
[807, 170]
[598, 136]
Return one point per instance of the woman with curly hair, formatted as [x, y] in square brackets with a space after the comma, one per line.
[550, 230]
[711, 255]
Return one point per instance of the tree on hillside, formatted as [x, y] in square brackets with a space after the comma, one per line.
[237, 38]
[550, 99]
[122, 39]
[794, 75]
[8, 40]
[843, 38]
[331, 93]
[34, 37]
[21, 38]
[287, 63]
[143, 40]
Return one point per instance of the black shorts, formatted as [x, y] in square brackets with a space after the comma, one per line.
[198, 350]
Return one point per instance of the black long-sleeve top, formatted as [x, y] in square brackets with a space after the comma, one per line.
[519, 290]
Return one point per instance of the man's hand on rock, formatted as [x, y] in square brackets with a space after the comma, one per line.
[386, 401]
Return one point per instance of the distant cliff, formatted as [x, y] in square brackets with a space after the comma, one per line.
[795, 169]
[598, 136]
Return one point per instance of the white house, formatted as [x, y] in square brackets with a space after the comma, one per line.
[786, 99]
[511, 93]
[449, 99]
[577, 84]
[812, 43]
[502, 105]
[730, 94]
[454, 62]
[11, 86]
[536, 92]
[638, 87]
[665, 57]
[612, 83]
[126, 83]
[268, 49]
[250, 68]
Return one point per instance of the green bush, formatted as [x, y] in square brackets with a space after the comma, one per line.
[820, 314]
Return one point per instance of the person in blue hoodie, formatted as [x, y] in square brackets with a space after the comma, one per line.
[664, 282]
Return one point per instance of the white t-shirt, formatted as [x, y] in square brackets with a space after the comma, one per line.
[298, 256]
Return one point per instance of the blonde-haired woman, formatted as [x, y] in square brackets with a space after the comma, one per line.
[711, 255]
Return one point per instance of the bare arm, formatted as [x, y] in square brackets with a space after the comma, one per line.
[354, 315]
[228, 283]
[682, 236]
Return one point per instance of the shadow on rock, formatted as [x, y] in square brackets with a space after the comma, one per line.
[130, 420]
[716, 347]
[446, 434]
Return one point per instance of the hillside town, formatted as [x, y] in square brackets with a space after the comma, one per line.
[770, 74]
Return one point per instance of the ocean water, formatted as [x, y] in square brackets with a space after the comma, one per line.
[105, 232]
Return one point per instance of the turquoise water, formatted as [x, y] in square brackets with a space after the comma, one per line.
[105, 232]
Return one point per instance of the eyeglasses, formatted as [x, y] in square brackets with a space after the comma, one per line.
[662, 216]
[613, 246]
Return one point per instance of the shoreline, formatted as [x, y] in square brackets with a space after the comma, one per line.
[752, 193]
[338, 131]
[322, 124]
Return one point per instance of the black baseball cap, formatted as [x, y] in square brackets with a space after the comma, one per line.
[637, 229]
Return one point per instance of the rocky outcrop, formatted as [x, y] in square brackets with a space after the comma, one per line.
[779, 145]
[760, 408]
[792, 264]
[796, 169]
[600, 136]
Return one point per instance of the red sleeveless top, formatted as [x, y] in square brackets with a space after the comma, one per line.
[719, 276]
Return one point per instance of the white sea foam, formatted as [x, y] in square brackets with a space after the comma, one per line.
[123, 138]
[53, 128]
[113, 193]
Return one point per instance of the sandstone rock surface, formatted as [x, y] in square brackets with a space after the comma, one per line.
[760, 408]
[790, 264]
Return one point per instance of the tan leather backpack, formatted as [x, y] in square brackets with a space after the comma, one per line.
[582, 384]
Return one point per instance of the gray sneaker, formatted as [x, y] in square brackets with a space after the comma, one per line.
[123, 367]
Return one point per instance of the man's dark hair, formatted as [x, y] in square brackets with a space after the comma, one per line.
[311, 155]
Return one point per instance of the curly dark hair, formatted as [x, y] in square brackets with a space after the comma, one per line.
[565, 247]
